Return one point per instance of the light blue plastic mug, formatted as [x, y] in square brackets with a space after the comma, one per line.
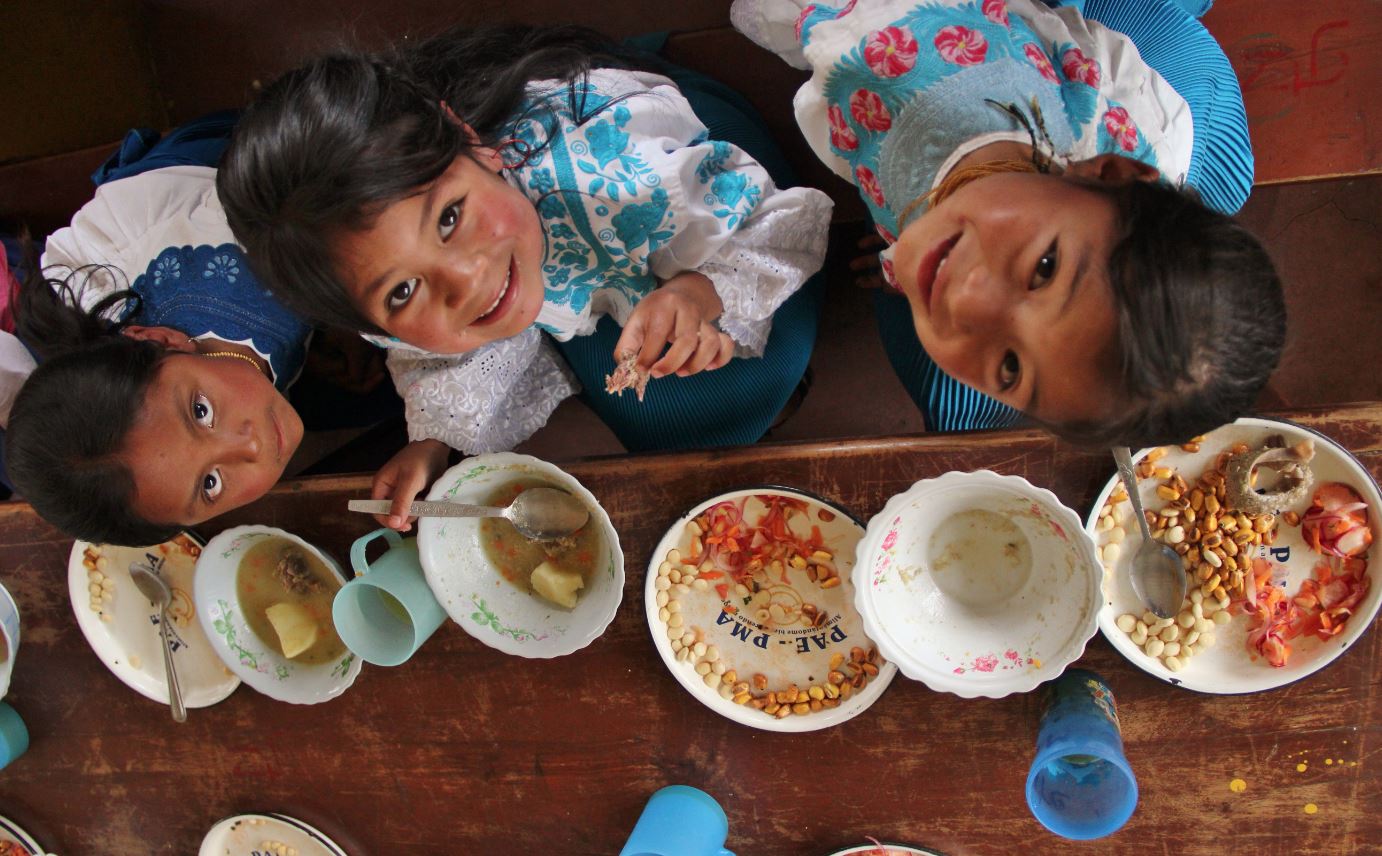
[679, 820]
[387, 612]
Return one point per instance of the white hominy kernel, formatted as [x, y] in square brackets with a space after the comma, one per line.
[1138, 636]
[687, 578]
[1171, 649]
[1176, 534]
[688, 639]
[95, 604]
[712, 653]
[1174, 664]
[674, 633]
[102, 564]
[712, 680]
[1126, 622]
[1141, 626]
[1154, 647]
[108, 597]
[1190, 638]
[1149, 618]
[664, 569]
[674, 556]
[676, 645]
[1222, 617]
[1196, 595]
[1197, 609]
[700, 585]
[699, 648]
[663, 615]
[1111, 552]
[95, 576]
[1162, 624]
[107, 617]
[1105, 523]
[702, 668]
[1208, 607]
[1188, 651]
[1116, 535]
[726, 691]
[108, 584]
[681, 588]
[674, 606]
[1223, 602]
[1207, 639]
[1169, 634]
[674, 575]
[674, 620]
[719, 668]
[1203, 626]
[662, 598]
[662, 584]
[95, 589]
[1213, 558]
[1185, 620]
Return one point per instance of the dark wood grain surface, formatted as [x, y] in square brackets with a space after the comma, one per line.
[466, 751]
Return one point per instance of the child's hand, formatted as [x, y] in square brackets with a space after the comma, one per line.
[679, 316]
[868, 270]
[406, 475]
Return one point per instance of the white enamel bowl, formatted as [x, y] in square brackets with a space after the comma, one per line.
[476, 595]
[258, 664]
[993, 601]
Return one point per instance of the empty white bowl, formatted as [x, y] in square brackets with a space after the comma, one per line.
[978, 584]
[257, 663]
[475, 594]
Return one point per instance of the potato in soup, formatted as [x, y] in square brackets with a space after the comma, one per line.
[286, 594]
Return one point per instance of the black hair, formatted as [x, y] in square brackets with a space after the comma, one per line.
[328, 146]
[1201, 319]
[70, 420]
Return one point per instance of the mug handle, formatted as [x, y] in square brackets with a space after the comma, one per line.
[357, 550]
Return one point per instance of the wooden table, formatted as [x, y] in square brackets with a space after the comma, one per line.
[466, 751]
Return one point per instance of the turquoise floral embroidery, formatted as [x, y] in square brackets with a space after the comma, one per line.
[737, 194]
[167, 266]
[714, 163]
[223, 266]
[638, 223]
[607, 142]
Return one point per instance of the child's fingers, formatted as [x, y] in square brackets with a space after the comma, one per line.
[871, 241]
[725, 355]
[631, 340]
[682, 348]
[657, 333]
[708, 349]
[387, 486]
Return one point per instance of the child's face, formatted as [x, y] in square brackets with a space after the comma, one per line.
[454, 267]
[1008, 283]
[213, 435]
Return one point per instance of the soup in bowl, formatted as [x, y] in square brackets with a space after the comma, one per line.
[264, 599]
[526, 598]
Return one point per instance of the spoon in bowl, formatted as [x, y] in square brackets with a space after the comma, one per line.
[156, 590]
[538, 513]
[1156, 573]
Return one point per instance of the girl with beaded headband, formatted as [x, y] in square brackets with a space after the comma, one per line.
[513, 211]
[1052, 182]
[159, 402]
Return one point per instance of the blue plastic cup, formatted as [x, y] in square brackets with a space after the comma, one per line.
[1080, 785]
[14, 736]
[679, 820]
[387, 612]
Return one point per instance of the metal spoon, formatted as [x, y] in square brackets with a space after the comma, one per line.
[538, 513]
[1156, 574]
[156, 590]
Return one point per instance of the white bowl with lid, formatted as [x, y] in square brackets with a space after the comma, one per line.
[978, 584]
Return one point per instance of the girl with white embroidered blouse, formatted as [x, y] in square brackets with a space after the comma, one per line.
[463, 198]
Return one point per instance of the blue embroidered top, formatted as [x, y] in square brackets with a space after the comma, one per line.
[629, 191]
[164, 234]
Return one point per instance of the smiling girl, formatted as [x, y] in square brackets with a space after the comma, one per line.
[469, 201]
[1052, 185]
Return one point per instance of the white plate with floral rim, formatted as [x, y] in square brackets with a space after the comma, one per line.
[474, 592]
[1229, 667]
[978, 584]
[790, 630]
[12, 834]
[122, 626]
[257, 663]
[265, 834]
